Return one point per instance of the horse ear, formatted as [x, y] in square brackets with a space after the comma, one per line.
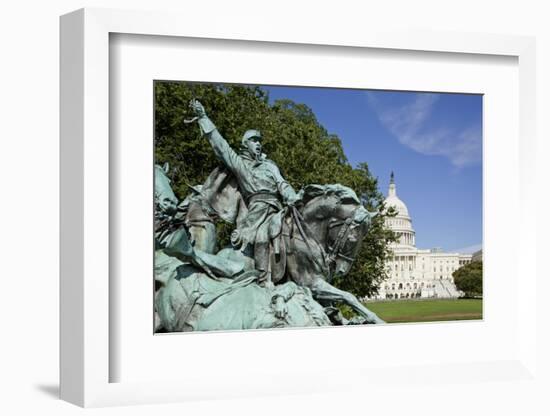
[166, 167]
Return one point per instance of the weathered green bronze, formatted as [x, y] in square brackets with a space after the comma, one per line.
[285, 248]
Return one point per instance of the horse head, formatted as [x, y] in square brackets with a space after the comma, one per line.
[339, 221]
[165, 199]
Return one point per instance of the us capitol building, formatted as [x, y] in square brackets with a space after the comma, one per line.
[414, 272]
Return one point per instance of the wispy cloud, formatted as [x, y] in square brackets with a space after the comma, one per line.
[413, 125]
[468, 250]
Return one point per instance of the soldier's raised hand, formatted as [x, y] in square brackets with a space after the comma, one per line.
[197, 108]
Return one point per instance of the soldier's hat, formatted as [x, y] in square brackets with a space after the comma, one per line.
[249, 134]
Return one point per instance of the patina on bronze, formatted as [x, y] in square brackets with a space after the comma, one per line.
[285, 248]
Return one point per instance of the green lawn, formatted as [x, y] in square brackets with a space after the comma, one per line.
[427, 310]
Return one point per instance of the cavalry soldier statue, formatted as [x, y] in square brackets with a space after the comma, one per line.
[260, 183]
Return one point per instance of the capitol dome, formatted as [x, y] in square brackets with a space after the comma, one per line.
[393, 201]
[401, 224]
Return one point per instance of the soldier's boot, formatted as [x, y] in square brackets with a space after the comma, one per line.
[261, 258]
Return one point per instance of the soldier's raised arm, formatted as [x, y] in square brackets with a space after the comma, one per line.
[221, 148]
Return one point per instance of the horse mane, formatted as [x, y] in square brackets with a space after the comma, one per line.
[344, 194]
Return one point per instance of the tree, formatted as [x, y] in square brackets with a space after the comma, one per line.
[469, 279]
[302, 148]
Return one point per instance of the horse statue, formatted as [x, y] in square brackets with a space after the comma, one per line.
[324, 237]
[316, 242]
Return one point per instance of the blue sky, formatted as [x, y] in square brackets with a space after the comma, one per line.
[432, 142]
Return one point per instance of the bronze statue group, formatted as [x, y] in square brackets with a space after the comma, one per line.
[286, 246]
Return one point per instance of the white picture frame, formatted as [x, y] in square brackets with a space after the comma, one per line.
[86, 351]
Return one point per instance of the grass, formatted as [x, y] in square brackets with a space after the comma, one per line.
[427, 310]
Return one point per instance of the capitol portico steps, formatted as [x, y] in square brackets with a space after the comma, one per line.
[445, 289]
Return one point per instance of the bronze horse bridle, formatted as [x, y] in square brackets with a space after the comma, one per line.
[334, 251]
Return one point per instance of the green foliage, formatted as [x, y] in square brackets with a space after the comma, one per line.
[469, 279]
[293, 138]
